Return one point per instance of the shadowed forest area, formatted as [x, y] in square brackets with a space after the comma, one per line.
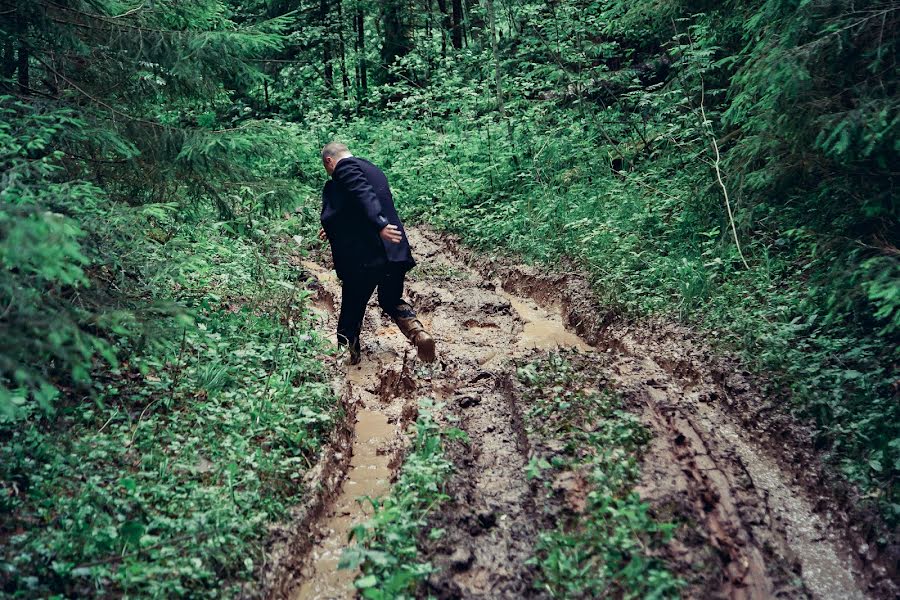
[715, 176]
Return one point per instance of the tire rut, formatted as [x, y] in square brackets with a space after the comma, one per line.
[749, 530]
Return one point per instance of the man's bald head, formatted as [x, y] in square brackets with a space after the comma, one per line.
[332, 153]
[335, 150]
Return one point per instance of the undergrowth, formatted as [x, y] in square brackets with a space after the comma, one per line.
[586, 459]
[160, 477]
[386, 549]
[605, 135]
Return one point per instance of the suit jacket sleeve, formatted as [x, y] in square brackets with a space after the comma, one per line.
[351, 177]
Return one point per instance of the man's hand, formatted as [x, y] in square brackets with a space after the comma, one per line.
[391, 233]
[322, 235]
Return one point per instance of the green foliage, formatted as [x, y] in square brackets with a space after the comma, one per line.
[603, 550]
[44, 260]
[162, 389]
[164, 484]
[603, 156]
[114, 117]
[145, 151]
[387, 544]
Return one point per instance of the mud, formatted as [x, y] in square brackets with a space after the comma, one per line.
[289, 543]
[379, 390]
[368, 476]
[806, 519]
[748, 529]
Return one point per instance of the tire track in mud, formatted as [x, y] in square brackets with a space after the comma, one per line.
[378, 392]
[489, 524]
[760, 530]
[748, 532]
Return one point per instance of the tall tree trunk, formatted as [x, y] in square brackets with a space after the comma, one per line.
[456, 30]
[361, 52]
[498, 78]
[23, 68]
[447, 28]
[396, 42]
[326, 46]
[9, 58]
[345, 80]
[474, 19]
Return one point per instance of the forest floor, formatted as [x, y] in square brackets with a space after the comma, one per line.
[746, 523]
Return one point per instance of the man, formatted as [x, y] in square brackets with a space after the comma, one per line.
[369, 248]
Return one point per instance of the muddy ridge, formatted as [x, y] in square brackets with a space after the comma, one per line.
[749, 528]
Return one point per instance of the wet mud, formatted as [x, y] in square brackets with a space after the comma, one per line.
[379, 391]
[747, 526]
[368, 476]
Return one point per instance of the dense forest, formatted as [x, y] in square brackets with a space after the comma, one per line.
[728, 166]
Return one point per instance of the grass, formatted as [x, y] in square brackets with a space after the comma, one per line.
[600, 547]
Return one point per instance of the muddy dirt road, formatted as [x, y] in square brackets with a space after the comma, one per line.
[747, 530]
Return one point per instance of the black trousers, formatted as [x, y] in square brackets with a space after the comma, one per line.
[355, 293]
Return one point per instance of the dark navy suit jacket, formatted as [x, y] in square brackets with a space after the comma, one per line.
[356, 205]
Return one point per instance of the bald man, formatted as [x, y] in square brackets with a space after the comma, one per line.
[369, 248]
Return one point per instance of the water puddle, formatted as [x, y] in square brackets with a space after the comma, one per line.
[543, 330]
[368, 475]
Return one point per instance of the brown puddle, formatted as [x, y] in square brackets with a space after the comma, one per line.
[369, 475]
[543, 330]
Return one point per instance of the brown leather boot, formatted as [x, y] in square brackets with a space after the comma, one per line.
[412, 328]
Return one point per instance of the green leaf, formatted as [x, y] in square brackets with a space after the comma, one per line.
[366, 582]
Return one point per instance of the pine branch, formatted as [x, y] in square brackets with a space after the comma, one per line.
[132, 118]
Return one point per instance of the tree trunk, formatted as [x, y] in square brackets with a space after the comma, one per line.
[361, 52]
[345, 80]
[474, 20]
[396, 42]
[447, 28]
[456, 30]
[9, 58]
[498, 79]
[23, 68]
[326, 46]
